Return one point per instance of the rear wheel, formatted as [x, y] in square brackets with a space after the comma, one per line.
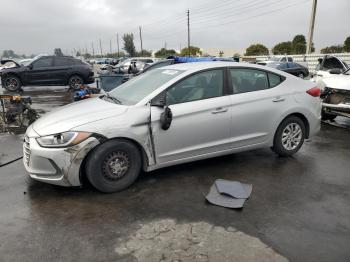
[12, 83]
[75, 81]
[289, 136]
[113, 166]
[301, 75]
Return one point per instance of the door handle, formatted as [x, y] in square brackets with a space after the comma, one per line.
[278, 99]
[219, 110]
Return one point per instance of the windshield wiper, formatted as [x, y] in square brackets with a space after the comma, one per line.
[108, 96]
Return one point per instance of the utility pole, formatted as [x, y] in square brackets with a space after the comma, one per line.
[141, 41]
[101, 48]
[110, 46]
[92, 47]
[118, 43]
[165, 46]
[86, 51]
[188, 32]
[311, 28]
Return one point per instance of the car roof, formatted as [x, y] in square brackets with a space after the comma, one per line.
[197, 66]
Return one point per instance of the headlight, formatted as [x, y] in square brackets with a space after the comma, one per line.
[63, 139]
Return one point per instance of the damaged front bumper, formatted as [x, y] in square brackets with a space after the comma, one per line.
[336, 102]
[58, 166]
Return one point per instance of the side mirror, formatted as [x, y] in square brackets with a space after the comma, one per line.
[335, 71]
[166, 118]
[30, 66]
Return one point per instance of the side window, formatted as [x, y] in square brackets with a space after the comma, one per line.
[200, 86]
[290, 59]
[292, 65]
[43, 62]
[331, 63]
[283, 66]
[248, 80]
[274, 79]
[60, 61]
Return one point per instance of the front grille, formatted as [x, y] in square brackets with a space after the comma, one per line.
[26, 150]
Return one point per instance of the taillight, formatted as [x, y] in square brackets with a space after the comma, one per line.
[315, 91]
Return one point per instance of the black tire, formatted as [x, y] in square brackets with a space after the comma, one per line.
[74, 81]
[282, 132]
[325, 116]
[99, 166]
[12, 83]
[301, 75]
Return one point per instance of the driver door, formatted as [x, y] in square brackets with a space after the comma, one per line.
[201, 118]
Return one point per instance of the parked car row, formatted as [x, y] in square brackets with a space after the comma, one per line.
[287, 64]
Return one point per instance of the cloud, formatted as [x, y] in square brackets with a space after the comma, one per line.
[38, 26]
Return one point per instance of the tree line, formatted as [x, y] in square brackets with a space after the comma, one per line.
[296, 46]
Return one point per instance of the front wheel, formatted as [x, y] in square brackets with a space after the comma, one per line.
[113, 166]
[289, 136]
[12, 83]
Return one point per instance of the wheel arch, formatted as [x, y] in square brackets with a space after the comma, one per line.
[12, 74]
[141, 149]
[303, 118]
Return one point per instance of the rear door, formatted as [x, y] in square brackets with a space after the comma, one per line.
[201, 118]
[61, 68]
[258, 99]
[40, 71]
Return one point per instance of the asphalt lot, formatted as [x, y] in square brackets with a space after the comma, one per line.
[299, 208]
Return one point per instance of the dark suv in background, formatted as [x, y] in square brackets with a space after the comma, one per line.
[47, 70]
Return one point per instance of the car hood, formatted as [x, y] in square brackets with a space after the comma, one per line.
[338, 81]
[76, 114]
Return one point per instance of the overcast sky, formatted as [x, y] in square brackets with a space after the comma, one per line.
[38, 26]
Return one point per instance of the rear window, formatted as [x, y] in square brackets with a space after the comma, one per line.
[274, 79]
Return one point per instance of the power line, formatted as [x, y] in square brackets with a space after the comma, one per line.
[258, 15]
[238, 12]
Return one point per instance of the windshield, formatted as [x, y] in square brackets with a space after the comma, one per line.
[276, 59]
[137, 88]
[26, 62]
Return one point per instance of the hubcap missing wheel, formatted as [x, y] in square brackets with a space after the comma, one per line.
[115, 166]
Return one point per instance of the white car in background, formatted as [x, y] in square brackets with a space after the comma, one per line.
[333, 77]
[335, 94]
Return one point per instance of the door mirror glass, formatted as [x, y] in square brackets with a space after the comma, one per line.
[166, 118]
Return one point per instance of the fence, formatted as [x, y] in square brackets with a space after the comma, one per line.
[310, 59]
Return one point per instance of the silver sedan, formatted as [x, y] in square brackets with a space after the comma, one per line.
[168, 116]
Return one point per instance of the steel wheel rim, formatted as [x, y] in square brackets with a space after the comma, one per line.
[75, 81]
[11, 83]
[115, 166]
[291, 136]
